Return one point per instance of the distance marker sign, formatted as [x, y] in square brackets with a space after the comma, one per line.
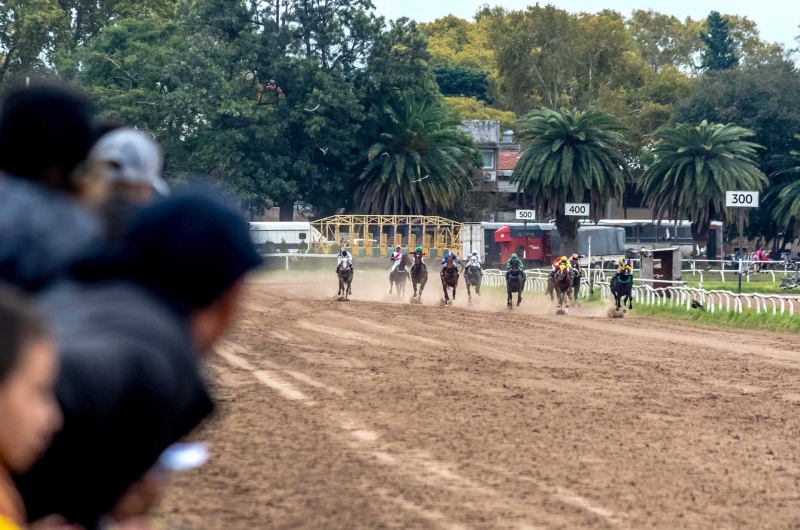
[741, 199]
[526, 215]
[577, 209]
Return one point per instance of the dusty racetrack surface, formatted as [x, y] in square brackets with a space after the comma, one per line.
[369, 414]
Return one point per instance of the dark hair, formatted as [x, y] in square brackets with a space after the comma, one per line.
[43, 127]
[20, 324]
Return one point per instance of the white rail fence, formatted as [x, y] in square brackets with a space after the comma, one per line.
[677, 295]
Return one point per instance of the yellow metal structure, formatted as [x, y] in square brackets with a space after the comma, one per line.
[367, 232]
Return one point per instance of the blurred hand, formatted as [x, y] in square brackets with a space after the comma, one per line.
[140, 499]
[53, 522]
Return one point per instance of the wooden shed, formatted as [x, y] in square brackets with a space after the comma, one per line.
[661, 264]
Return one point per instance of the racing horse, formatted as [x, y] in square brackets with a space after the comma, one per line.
[473, 278]
[345, 279]
[449, 276]
[419, 277]
[576, 284]
[515, 283]
[622, 288]
[399, 276]
[561, 283]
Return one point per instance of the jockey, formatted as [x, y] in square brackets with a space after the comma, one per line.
[344, 258]
[418, 252]
[474, 261]
[451, 255]
[397, 257]
[563, 260]
[511, 260]
[622, 263]
[575, 263]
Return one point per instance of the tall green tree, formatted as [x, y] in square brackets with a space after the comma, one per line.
[720, 49]
[422, 162]
[28, 36]
[693, 167]
[759, 97]
[664, 40]
[786, 197]
[569, 156]
[462, 81]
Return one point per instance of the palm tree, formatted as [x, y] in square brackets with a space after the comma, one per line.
[692, 169]
[569, 156]
[787, 196]
[422, 162]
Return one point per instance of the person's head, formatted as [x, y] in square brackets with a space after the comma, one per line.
[514, 256]
[475, 254]
[574, 257]
[398, 248]
[190, 250]
[344, 253]
[28, 367]
[45, 133]
[130, 162]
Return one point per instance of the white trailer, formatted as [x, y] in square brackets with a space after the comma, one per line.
[471, 238]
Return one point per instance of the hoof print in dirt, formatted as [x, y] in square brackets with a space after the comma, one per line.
[613, 314]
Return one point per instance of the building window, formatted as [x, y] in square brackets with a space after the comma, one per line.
[488, 160]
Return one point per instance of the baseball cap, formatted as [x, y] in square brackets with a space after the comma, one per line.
[135, 158]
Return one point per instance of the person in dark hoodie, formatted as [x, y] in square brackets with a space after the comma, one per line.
[131, 326]
[45, 134]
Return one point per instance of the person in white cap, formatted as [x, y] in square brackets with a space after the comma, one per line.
[129, 163]
[397, 257]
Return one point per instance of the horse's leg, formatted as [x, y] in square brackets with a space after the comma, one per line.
[519, 296]
[391, 284]
[510, 294]
[455, 285]
[446, 296]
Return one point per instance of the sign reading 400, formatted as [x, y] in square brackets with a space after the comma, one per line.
[577, 209]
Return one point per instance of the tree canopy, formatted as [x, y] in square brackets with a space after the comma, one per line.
[693, 167]
[569, 156]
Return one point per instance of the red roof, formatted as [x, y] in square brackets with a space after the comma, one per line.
[508, 160]
[502, 234]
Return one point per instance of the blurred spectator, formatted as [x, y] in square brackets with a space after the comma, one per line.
[28, 408]
[130, 327]
[129, 163]
[44, 135]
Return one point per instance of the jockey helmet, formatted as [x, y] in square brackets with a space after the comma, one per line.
[398, 247]
[475, 253]
[344, 253]
[514, 256]
[575, 256]
[418, 249]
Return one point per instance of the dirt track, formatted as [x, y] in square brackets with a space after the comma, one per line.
[377, 415]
